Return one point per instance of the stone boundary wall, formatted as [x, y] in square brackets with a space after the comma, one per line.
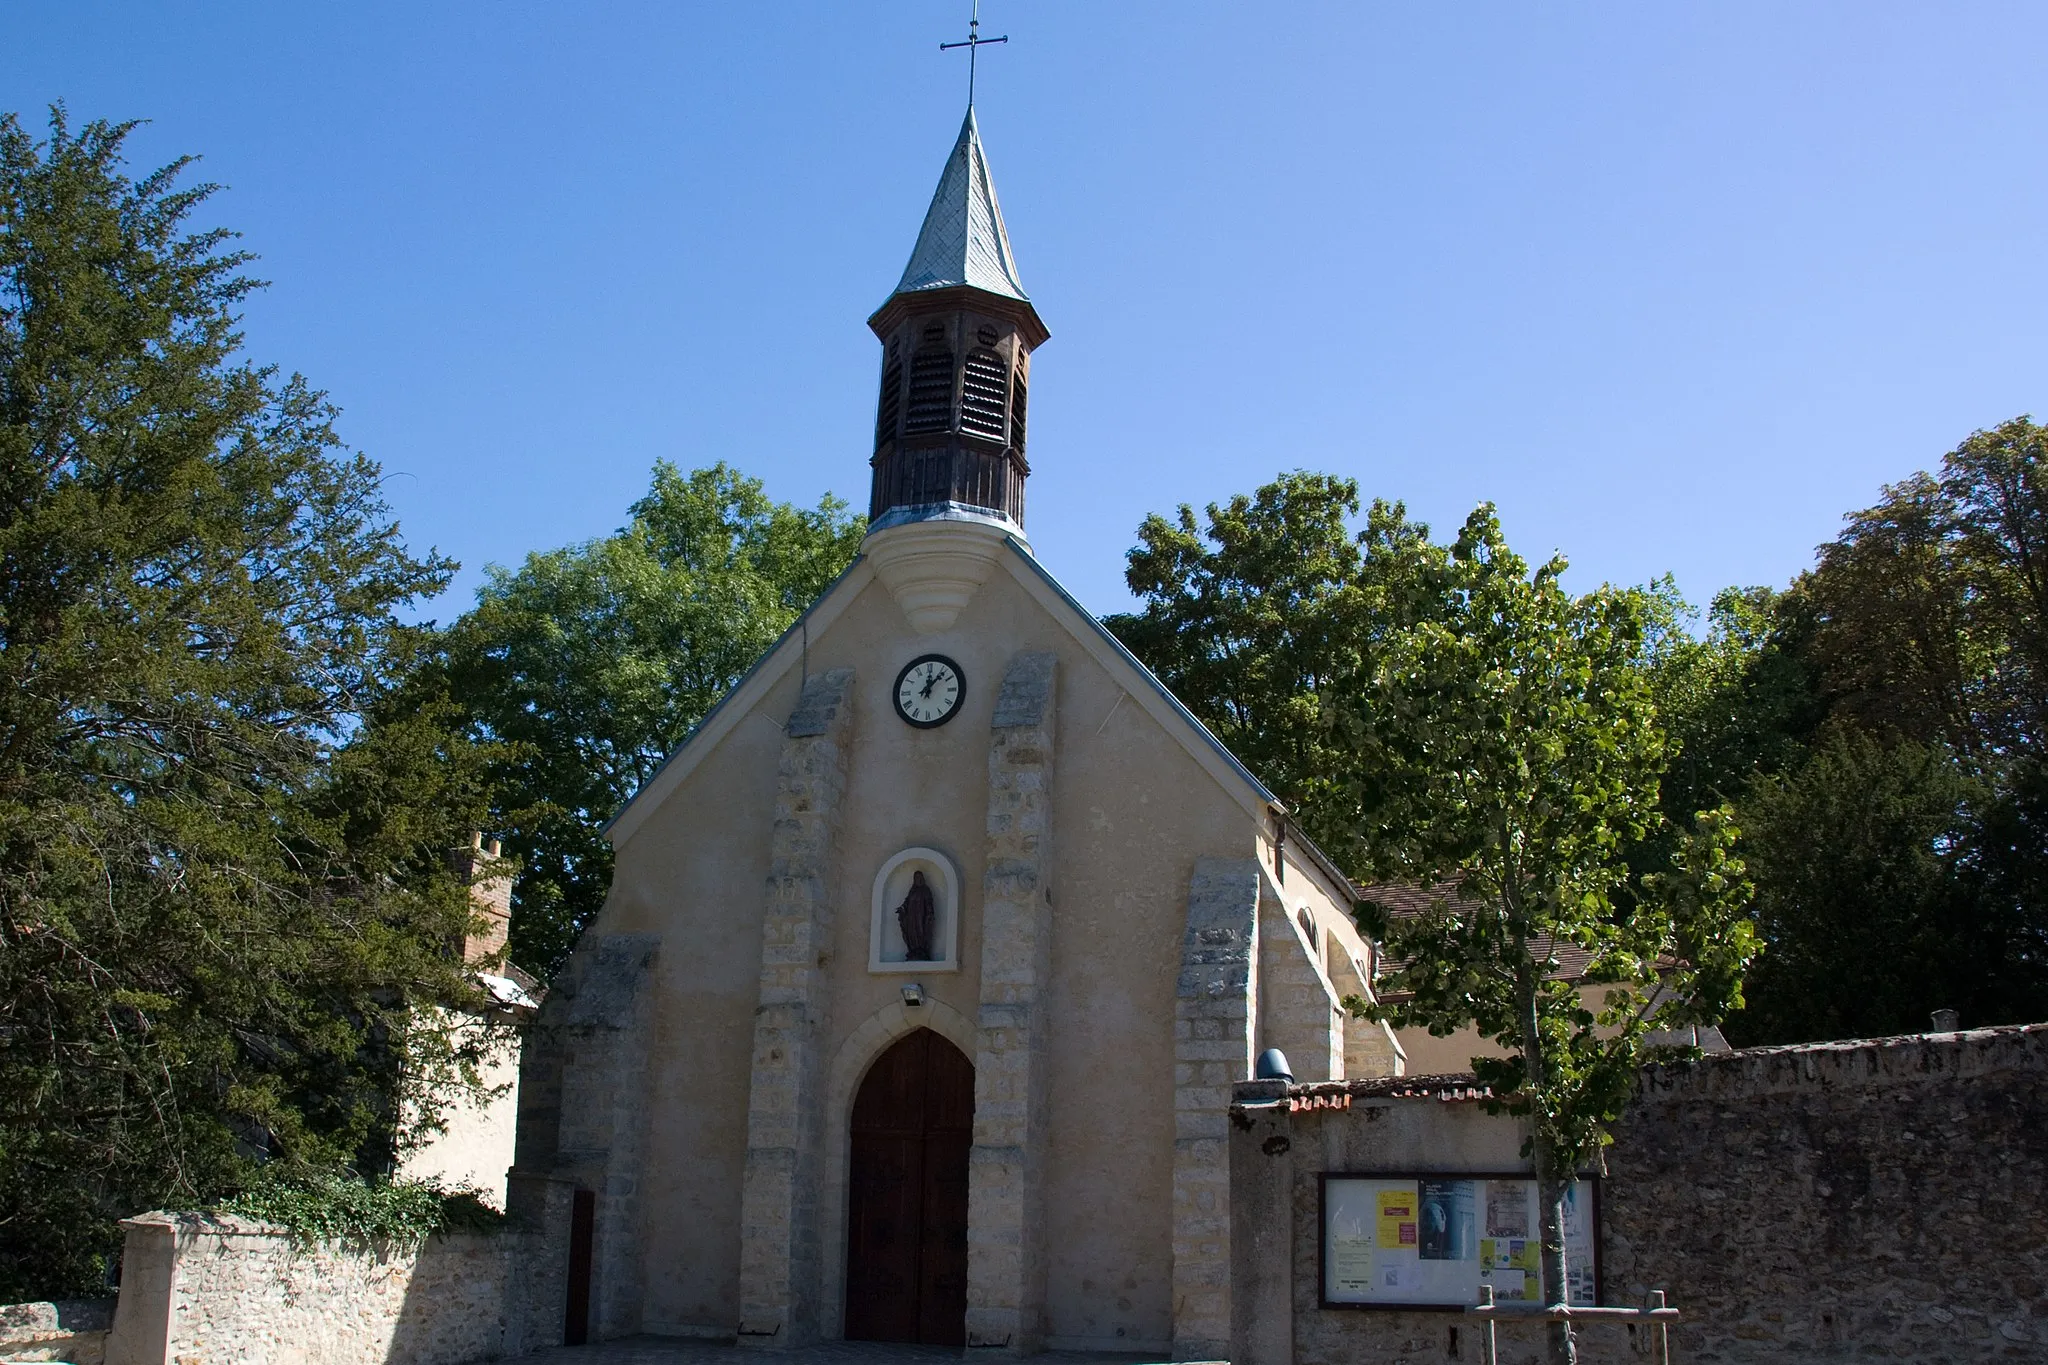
[233, 1291]
[1883, 1199]
[1886, 1197]
[69, 1329]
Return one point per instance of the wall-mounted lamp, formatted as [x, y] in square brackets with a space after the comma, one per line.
[913, 995]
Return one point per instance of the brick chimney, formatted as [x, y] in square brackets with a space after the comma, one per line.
[490, 896]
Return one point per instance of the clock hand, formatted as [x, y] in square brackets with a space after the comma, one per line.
[931, 681]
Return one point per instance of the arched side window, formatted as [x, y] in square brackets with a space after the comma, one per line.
[891, 405]
[983, 389]
[931, 390]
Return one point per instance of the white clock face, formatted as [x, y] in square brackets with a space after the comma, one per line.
[929, 690]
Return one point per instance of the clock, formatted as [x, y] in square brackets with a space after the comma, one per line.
[929, 690]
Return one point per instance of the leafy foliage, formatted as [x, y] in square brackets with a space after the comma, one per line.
[1880, 897]
[339, 1210]
[1255, 619]
[591, 664]
[1901, 837]
[223, 882]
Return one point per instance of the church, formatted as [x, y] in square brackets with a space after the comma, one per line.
[931, 956]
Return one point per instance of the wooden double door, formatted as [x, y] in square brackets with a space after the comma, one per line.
[906, 1225]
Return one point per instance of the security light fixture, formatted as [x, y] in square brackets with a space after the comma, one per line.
[913, 995]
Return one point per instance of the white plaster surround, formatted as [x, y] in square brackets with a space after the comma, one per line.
[885, 937]
[867, 1042]
[933, 568]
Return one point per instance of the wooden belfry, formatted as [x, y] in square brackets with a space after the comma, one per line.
[957, 336]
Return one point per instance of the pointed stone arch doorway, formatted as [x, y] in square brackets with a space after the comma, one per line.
[906, 1217]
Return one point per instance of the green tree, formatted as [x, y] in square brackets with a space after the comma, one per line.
[223, 874]
[1507, 752]
[1734, 702]
[1880, 895]
[1929, 607]
[1255, 619]
[1900, 853]
[1737, 703]
[592, 664]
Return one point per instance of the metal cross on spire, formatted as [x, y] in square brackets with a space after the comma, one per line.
[974, 42]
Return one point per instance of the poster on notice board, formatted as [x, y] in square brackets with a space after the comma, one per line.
[1433, 1240]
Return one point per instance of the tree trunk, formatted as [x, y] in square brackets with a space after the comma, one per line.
[1550, 1191]
[1564, 1349]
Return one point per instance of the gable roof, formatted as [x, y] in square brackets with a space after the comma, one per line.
[788, 651]
[1108, 648]
[1139, 682]
[732, 708]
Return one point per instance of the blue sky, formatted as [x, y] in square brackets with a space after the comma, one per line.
[1675, 285]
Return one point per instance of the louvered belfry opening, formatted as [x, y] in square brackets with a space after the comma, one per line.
[949, 426]
[931, 390]
[984, 390]
[1017, 412]
[890, 408]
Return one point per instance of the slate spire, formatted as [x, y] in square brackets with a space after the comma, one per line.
[963, 241]
[957, 335]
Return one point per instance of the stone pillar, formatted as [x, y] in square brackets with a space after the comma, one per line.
[1213, 1014]
[1262, 1227]
[780, 1253]
[1005, 1218]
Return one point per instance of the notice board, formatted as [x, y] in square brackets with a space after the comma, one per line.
[1432, 1239]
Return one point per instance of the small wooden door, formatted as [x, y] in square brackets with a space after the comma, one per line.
[906, 1225]
[582, 1226]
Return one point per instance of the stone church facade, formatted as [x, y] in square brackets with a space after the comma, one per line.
[932, 955]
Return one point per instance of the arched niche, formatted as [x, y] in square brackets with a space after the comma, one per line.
[887, 951]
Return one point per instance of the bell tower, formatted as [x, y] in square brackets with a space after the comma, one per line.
[957, 336]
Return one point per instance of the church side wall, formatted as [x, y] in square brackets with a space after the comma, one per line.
[1298, 1011]
[1452, 1054]
[1331, 951]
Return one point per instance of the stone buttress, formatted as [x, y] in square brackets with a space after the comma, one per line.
[1214, 1016]
[1006, 1173]
[780, 1250]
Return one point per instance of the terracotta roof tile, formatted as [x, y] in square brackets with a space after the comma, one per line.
[1450, 1089]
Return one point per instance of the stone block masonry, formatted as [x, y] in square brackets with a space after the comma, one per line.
[780, 1242]
[1882, 1199]
[1213, 1012]
[1006, 1167]
[1885, 1197]
[582, 1078]
[602, 1077]
[232, 1291]
[72, 1329]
